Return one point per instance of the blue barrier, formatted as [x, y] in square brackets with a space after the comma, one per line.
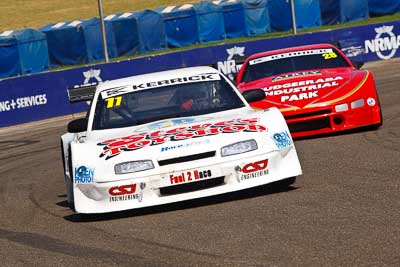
[44, 95]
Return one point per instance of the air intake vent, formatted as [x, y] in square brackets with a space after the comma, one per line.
[186, 158]
[309, 114]
[190, 187]
[310, 125]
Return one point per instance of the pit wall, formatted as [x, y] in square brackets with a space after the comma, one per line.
[42, 96]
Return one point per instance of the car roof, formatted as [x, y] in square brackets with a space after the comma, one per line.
[290, 49]
[156, 76]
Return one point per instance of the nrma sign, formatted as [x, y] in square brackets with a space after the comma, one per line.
[385, 44]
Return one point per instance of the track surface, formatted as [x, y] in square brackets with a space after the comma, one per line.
[344, 210]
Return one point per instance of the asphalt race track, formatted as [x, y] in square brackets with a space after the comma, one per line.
[344, 210]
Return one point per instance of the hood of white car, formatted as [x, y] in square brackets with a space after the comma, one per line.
[180, 137]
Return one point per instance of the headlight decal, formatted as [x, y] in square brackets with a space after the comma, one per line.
[239, 148]
[133, 166]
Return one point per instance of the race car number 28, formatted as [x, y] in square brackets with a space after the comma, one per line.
[329, 55]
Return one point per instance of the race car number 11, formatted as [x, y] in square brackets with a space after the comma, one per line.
[113, 101]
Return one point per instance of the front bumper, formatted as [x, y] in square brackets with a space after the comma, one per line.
[187, 183]
[323, 120]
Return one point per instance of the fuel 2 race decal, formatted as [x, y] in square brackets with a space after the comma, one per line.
[189, 176]
[116, 146]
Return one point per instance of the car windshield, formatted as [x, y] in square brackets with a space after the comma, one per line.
[313, 59]
[172, 101]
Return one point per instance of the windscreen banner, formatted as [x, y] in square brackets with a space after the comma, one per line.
[41, 96]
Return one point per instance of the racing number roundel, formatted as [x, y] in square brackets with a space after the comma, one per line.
[256, 166]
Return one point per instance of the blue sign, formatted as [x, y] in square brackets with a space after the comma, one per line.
[42, 96]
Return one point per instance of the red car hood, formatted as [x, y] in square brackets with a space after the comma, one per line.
[306, 89]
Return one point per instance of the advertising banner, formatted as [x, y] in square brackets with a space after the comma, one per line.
[41, 96]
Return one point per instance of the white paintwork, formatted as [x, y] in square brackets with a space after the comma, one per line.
[94, 197]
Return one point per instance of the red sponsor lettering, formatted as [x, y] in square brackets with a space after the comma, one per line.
[225, 123]
[234, 129]
[122, 190]
[187, 177]
[255, 166]
[256, 128]
[159, 140]
[205, 132]
[116, 146]
[183, 136]
[200, 126]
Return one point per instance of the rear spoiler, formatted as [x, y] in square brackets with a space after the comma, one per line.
[82, 93]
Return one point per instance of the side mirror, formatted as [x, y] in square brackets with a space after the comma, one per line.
[357, 64]
[78, 125]
[254, 95]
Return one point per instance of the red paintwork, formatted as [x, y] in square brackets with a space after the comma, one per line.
[315, 109]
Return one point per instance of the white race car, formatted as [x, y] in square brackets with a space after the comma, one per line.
[171, 136]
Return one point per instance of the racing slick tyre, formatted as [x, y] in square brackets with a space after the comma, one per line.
[71, 202]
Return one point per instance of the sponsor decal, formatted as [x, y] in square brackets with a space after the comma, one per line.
[116, 146]
[229, 66]
[371, 102]
[83, 175]
[282, 139]
[323, 52]
[353, 51]
[194, 143]
[296, 75]
[23, 102]
[189, 176]
[254, 170]
[126, 192]
[160, 83]
[385, 44]
[306, 89]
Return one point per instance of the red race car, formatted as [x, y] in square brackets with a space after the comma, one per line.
[316, 87]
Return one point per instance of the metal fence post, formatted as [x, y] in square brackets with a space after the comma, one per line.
[103, 31]
[293, 11]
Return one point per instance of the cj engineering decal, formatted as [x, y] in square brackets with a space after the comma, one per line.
[254, 170]
[116, 146]
[126, 192]
[301, 90]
